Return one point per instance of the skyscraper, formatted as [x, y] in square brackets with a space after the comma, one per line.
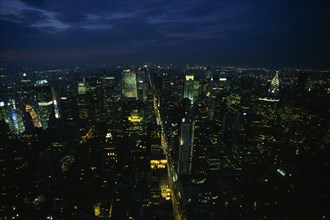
[186, 147]
[189, 88]
[12, 115]
[129, 84]
[45, 102]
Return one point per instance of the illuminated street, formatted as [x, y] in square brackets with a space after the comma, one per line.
[177, 210]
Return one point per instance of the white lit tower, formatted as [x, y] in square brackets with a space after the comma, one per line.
[274, 85]
[56, 109]
[186, 147]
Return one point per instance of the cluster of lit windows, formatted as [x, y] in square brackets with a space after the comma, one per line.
[159, 164]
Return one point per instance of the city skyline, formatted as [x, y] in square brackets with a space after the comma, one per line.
[254, 33]
[162, 142]
[167, 110]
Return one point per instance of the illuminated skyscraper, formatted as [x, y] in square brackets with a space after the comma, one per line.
[12, 116]
[112, 103]
[129, 84]
[82, 88]
[189, 88]
[186, 147]
[45, 102]
[82, 102]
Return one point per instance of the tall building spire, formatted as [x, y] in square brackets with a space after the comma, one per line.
[274, 85]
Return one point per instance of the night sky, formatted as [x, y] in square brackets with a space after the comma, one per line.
[253, 33]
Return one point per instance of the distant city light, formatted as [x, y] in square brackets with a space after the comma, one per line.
[281, 172]
[41, 82]
[269, 100]
[45, 103]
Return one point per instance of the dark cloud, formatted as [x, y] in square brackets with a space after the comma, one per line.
[71, 18]
[27, 17]
[182, 31]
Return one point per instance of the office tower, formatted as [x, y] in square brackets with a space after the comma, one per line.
[45, 102]
[25, 91]
[113, 105]
[234, 136]
[25, 94]
[82, 87]
[186, 147]
[10, 113]
[189, 88]
[141, 86]
[96, 99]
[67, 111]
[83, 102]
[45, 110]
[129, 84]
[17, 117]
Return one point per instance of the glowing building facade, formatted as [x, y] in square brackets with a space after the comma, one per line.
[129, 88]
[186, 147]
[45, 102]
[189, 88]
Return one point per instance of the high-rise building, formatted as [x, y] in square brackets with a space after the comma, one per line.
[186, 147]
[113, 105]
[141, 86]
[25, 92]
[56, 108]
[82, 88]
[129, 84]
[45, 102]
[83, 103]
[189, 88]
[11, 114]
